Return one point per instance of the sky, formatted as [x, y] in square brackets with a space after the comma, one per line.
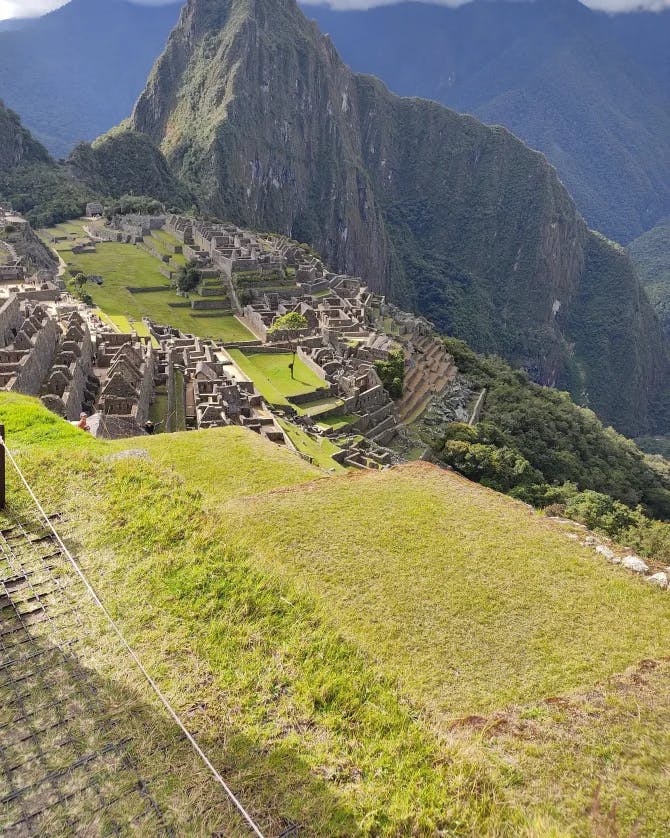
[30, 8]
[27, 8]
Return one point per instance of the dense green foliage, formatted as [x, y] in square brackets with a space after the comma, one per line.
[632, 527]
[125, 163]
[292, 323]
[31, 181]
[536, 443]
[651, 256]
[621, 353]
[392, 372]
[188, 277]
[44, 193]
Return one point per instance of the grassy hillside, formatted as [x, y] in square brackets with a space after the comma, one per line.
[369, 654]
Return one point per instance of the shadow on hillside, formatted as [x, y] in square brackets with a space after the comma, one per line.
[87, 748]
[102, 755]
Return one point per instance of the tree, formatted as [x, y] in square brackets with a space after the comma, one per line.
[79, 282]
[392, 372]
[290, 324]
[188, 277]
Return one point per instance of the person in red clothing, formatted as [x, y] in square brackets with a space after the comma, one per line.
[83, 422]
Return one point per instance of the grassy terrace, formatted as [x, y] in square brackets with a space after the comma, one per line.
[272, 377]
[125, 266]
[320, 451]
[397, 653]
[338, 422]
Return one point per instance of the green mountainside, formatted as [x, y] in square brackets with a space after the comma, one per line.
[17, 146]
[31, 181]
[536, 444]
[253, 108]
[127, 163]
[651, 255]
[588, 89]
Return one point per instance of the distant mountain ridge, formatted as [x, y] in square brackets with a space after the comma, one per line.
[76, 72]
[254, 109]
[589, 90]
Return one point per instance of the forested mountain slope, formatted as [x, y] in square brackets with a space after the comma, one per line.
[589, 90]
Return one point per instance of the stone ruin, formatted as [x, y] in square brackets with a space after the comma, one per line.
[51, 354]
[349, 328]
[71, 385]
[125, 370]
[216, 393]
[28, 342]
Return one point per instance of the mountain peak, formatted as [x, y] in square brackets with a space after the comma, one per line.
[254, 109]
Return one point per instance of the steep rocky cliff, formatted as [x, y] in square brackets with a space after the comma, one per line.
[253, 107]
[17, 146]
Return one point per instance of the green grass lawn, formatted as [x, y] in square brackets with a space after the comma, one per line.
[338, 422]
[421, 567]
[123, 266]
[272, 377]
[379, 654]
[319, 451]
[125, 326]
[319, 406]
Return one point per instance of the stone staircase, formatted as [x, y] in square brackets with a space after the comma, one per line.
[431, 370]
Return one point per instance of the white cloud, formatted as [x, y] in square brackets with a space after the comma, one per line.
[33, 8]
[30, 8]
[604, 5]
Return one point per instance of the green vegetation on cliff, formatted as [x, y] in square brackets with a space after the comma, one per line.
[303, 635]
[31, 181]
[651, 256]
[127, 163]
[532, 440]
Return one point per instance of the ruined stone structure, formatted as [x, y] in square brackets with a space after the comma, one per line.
[125, 369]
[28, 340]
[52, 355]
[216, 392]
[71, 385]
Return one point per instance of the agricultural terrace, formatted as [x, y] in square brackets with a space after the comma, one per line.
[134, 287]
[379, 654]
[272, 377]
